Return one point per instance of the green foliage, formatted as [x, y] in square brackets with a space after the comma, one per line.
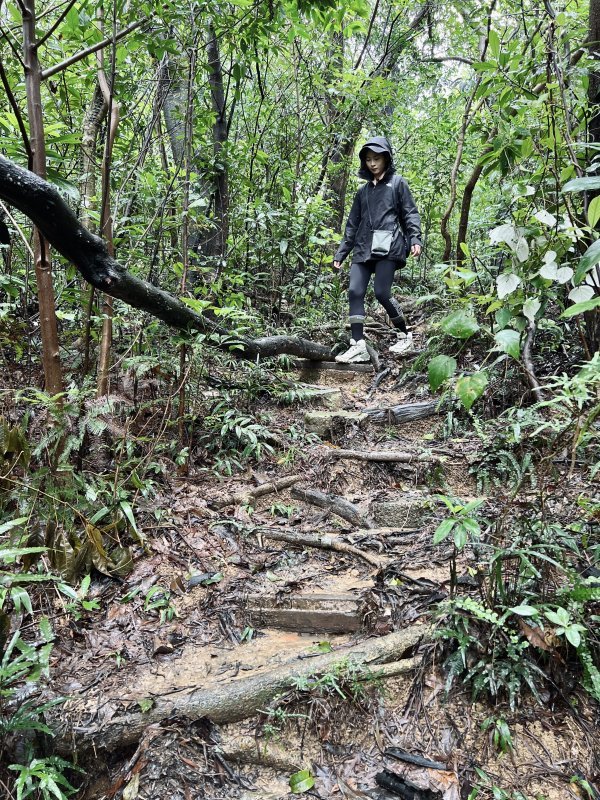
[44, 778]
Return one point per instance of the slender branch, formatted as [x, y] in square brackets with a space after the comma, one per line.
[442, 59]
[368, 36]
[532, 380]
[48, 73]
[17, 113]
[51, 30]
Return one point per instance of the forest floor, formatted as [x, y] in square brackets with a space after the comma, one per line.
[215, 602]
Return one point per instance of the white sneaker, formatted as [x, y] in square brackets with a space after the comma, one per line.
[404, 344]
[356, 353]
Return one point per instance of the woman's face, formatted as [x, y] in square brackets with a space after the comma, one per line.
[375, 163]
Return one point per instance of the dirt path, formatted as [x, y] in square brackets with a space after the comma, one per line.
[221, 597]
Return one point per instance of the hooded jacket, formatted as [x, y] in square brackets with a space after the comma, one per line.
[380, 207]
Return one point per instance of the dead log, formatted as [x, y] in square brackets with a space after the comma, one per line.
[243, 497]
[406, 412]
[230, 701]
[334, 503]
[313, 612]
[45, 207]
[323, 541]
[391, 456]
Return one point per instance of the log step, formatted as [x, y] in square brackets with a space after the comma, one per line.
[307, 613]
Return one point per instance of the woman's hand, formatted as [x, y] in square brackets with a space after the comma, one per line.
[415, 250]
[337, 264]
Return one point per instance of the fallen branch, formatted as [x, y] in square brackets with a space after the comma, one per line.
[45, 207]
[385, 456]
[323, 541]
[231, 701]
[244, 497]
[337, 505]
[407, 412]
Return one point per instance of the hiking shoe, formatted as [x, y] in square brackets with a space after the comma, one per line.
[356, 353]
[403, 345]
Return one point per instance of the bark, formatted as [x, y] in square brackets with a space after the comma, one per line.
[337, 505]
[42, 203]
[215, 243]
[322, 542]
[465, 208]
[228, 702]
[41, 249]
[532, 380]
[95, 113]
[106, 221]
[592, 318]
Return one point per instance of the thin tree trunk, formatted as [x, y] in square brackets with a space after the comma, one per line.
[106, 222]
[43, 270]
[592, 318]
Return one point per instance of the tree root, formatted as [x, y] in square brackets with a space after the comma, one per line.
[245, 496]
[323, 542]
[232, 701]
[337, 505]
[391, 456]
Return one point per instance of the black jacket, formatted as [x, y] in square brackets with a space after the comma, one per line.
[380, 207]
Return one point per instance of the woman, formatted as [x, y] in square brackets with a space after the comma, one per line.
[382, 229]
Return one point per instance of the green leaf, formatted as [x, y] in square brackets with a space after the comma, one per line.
[439, 370]
[509, 341]
[580, 308]
[301, 782]
[126, 509]
[524, 611]
[589, 259]
[594, 212]
[145, 704]
[573, 636]
[494, 41]
[13, 523]
[582, 185]
[443, 530]
[460, 536]
[460, 324]
[469, 388]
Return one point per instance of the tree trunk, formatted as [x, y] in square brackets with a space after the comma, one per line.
[41, 249]
[592, 318]
[45, 207]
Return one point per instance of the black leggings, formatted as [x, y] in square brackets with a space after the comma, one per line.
[360, 275]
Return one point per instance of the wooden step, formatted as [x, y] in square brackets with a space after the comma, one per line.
[341, 612]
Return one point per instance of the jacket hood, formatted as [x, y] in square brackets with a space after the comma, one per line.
[378, 144]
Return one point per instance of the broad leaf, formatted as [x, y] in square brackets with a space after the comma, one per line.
[564, 274]
[594, 212]
[525, 611]
[301, 782]
[582, 293]
[505, 233]
[545, 217]
[507, 283]
[581, 308]
[590, 258]
[469, 388]
[509, 341]
[582, 185]
[439, 370]
[460, 324]
[443, 530]
[522, 250]
[531, 307]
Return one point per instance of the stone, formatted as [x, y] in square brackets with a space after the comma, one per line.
[324, 422]
[410, 510]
